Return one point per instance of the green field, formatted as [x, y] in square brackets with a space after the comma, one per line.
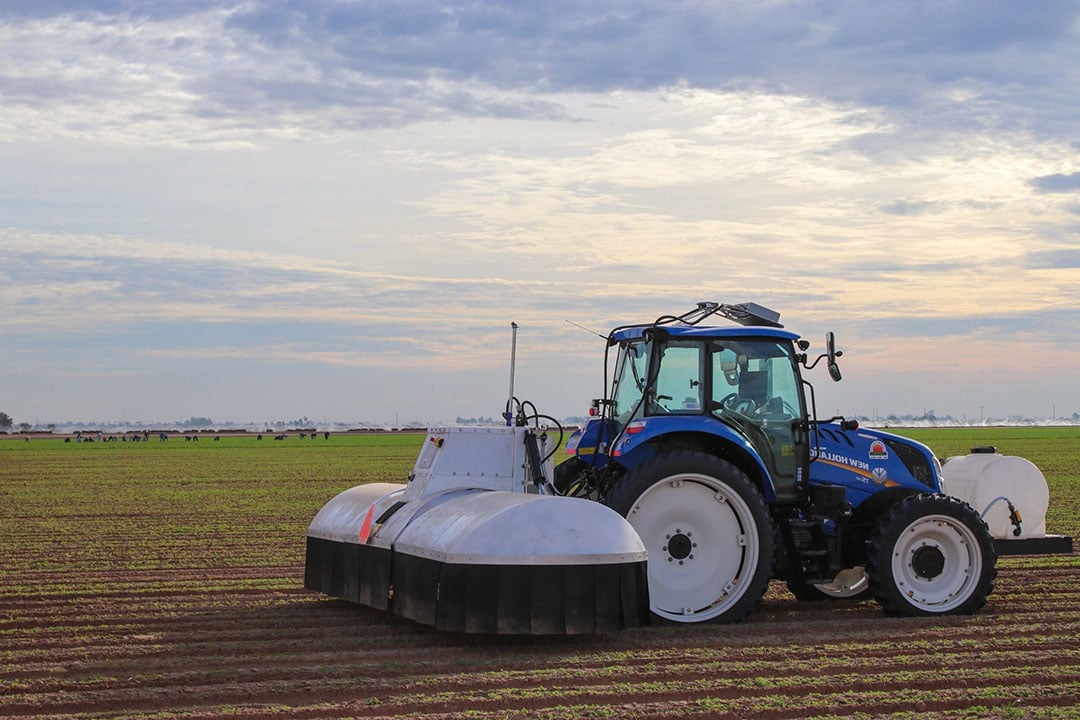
[180, 504]
[75, 493]
[161, 580]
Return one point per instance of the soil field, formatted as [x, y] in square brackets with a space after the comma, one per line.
[165, 580]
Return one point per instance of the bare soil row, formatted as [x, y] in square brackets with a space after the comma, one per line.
[211, 644]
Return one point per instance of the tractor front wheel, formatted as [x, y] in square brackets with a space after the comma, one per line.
[931, 555]
[708, 533]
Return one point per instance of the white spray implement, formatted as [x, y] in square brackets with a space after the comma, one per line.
[473, 542]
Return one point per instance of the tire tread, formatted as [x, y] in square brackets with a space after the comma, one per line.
[898, 517]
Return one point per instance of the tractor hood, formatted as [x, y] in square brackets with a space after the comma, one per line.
[863, 461]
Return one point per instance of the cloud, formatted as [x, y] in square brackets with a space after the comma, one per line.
[251, 73]
[64, 285]
[383, 185]
[1063, 258]
[911, 207]
[1057, 183]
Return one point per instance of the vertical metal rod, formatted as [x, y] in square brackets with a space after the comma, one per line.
[513, 362]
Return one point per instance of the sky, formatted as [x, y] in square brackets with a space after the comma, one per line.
[256, 210]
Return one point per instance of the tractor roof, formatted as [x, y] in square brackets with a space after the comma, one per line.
[694, 331]
[754, 321]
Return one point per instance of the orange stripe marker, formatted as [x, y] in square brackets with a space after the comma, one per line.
[365, 529]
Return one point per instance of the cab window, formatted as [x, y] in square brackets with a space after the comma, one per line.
[679, 378]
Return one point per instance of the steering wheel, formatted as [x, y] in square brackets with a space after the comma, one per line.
[770, 407]
[743, 406]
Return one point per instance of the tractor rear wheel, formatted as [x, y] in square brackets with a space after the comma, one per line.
[931, 555]
[708, 533]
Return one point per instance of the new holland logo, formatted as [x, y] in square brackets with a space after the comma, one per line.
[878, 451]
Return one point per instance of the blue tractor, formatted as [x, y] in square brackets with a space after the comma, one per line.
[707, 441]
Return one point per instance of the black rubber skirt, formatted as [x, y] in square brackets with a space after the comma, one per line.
[523, 599]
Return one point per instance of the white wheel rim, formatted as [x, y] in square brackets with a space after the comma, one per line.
[703, 546]
[936, 563]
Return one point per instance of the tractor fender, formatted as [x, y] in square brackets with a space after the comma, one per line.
[639, 442]
[589, 439]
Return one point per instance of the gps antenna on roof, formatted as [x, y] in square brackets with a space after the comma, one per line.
[744, 314]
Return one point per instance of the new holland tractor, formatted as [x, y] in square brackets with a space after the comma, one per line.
[702, 474]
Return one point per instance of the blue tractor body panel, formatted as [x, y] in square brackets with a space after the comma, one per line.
[588, 440]
[863, 462]
[866, 461]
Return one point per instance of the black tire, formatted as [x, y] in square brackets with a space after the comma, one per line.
[808, 592]
[708, 532]
[568, 472]
[931, 555]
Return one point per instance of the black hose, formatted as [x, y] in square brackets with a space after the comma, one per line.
[558, 444]
[536, 417]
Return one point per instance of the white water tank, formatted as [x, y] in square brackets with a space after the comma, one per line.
[985, 480]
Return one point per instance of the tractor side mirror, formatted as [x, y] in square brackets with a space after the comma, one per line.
[833, 353]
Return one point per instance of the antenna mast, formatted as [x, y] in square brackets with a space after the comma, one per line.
[509, 414]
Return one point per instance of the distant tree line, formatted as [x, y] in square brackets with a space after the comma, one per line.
[6, 423]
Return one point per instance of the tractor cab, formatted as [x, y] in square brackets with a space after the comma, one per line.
[732, 391]
[739, 383]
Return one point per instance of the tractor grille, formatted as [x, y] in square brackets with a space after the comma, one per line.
[915, 461]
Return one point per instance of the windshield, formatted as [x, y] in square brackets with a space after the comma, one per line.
[631, 368]
[756, 379]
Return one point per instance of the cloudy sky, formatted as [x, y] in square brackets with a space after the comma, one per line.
[261, 210]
